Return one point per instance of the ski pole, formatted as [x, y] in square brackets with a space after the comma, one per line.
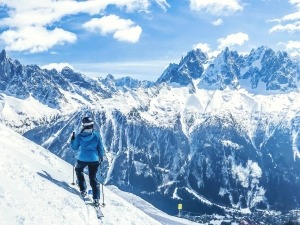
[103, 204]
[73, 183]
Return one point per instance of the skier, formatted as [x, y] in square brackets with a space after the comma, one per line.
[91, 153]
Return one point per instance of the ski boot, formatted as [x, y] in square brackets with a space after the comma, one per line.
[96, 203]
[83, 194]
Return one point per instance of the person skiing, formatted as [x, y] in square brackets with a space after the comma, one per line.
[91, 153]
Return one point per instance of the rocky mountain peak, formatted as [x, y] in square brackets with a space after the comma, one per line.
[262, 70]
[3, 55]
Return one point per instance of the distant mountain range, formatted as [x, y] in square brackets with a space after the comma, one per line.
[262, 69]
[216, 134]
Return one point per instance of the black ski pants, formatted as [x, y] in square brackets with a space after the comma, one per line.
[93, 168]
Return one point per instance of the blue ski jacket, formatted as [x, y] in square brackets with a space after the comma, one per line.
[89, 145]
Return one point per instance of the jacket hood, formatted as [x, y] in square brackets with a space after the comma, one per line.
[87, 136]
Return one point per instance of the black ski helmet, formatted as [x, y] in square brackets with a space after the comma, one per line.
[87, 122]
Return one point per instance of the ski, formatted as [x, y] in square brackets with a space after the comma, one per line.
[89, 201]
[98, 212]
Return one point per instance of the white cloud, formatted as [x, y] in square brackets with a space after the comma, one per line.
[47, 11]
[292, 47]
[233, 39]
[35, 39]
[122, 30]
[57, 66]
[295, 2]
[163, 4]
[291, 17]
[203, 46]
[289, 23]
[38, 16]
[217, 22]
[290, 28]
[216, 7]
[206, 49]
[131, 34]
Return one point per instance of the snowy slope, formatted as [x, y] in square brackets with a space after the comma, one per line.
[151, 210]
[35, 189]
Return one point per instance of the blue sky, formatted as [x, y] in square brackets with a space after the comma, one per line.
[139, 38]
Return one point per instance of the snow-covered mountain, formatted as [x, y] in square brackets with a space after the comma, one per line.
[190, 67]
[261, 70]
[215, 134]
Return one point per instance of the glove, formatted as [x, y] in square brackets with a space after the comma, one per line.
[73, 136]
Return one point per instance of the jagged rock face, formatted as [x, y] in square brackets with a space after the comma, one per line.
[190, 67]
[276, 70]
[261, 69]
[214, 147]
[173, 75]
[128, 82]
[22, 81]
[228, 168]
[44, 85]
[192, 64]
[223, 72]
